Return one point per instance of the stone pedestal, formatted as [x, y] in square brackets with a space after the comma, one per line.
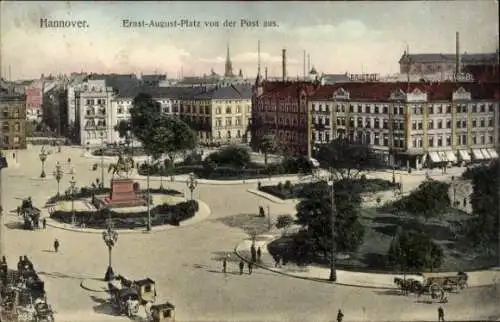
[123, 194]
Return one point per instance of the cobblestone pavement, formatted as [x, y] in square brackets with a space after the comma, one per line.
[186, 264]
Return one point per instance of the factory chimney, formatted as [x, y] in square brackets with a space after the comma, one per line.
[457, 57]
[284, 64]
[265, 73]
[304, 66]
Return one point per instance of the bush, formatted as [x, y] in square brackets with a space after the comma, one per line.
[232, 155]
[284, 221]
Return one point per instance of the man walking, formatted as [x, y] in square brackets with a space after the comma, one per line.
[440, 314]
[242, 266]
[250, 265]
[253, 252]
[259, 254]
[44, 223]
[340, 316]
[224, 265]
[56, 245]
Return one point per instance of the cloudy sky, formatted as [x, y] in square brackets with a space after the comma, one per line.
[339, 36]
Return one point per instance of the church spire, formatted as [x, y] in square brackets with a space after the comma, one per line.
[258, 80]
[229, 66]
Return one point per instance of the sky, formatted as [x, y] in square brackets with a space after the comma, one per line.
[354, 37]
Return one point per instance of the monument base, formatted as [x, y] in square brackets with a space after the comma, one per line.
[122, 195]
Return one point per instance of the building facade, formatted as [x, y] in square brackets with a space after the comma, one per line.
[413, 125]
[12, 121]
[34, 101]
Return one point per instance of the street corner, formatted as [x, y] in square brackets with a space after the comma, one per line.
[94, 285]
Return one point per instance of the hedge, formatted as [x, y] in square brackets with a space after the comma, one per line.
[160, 215]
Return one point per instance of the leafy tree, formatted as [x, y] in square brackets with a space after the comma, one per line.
[232, 155]
[483, 228]
[267, 145]
[145, 114]
[414, 250]
[124, 130]
[431, 199]
[314, 213]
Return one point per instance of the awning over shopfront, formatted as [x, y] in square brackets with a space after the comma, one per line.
[434, 157]
[442, 156]
[451, 156]
[487, 156]
[493, 153]
[464, 155]
[476, 153]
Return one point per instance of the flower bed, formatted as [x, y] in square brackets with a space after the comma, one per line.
[160, 215]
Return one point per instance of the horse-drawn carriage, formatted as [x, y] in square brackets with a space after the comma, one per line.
[433, 284]
[145, 288]
[126, 299]
[30, 214]
[163, 312]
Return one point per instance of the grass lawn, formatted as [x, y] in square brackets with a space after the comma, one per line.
[380, 229]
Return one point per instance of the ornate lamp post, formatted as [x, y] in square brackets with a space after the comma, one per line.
[58, 174]
[72, 184]
[3, 164]
[43, 158]
[191, 183]
[110, 237]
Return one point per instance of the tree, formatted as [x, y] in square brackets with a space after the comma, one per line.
[124, 130]
[414, 250]
[232, 155]
[314, 214]
[431, 199]
[267, 145]
[144, 115]
[483, 228]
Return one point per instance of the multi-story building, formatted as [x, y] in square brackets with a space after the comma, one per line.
[12, 121]
[219, 114]
[34, 101]
[280, 109]
[411, 124]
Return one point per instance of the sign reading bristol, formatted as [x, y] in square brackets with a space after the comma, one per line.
[363, 77]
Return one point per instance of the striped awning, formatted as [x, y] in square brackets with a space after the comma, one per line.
[493, 153]
[434, 157]
[476, 153]
[442, 156]
[464, 155]
[451, 156]
[486, 154]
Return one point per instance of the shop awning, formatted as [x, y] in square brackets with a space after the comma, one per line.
[434, 157]
[451, 156]
[464, 155]
[476, 153]
[442, 156]
[487, 156]
[493, 153]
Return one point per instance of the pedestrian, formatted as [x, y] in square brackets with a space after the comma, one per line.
[242, 266]
[277, 261]
[259, 254]
[340, 316]
[250, 265]
[440, 314]
[224, 265]
[20, 264]
[465, 202]
[56, 245]
[44, 223]
[253, 252]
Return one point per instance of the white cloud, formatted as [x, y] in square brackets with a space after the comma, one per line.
[215, 60]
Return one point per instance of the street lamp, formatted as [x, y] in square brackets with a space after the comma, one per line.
[333, 272]
[72, 184]
[148, 195]
[43, 158]
[102, 159]
[191, 183]
[58, 173]
[110, 237]
[3, 164]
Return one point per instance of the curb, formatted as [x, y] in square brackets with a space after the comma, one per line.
[55, 224]
[314, 279]
[89, 289]
[269, 197]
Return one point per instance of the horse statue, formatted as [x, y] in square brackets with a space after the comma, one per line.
[122, 167]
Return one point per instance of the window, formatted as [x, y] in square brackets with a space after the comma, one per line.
[483, 139]
[474, 123]
[218, 122]
[238, 134]
[420, 125]
[413, 143]
[414, 125]
[440, 109]
[458, 124]
[448, 109]
[431, 142]
[238, 109]
[474, 108]
[16, 139]
[464, 124]
[218, 134]
[448, 124]
[5, 127]
[376, 110]
[490, 122]
[238, 121]
[490, 108]
[217, 110]
[483, 123]
[464, 139]
[474, 140]
[431, 124]
[386, 125]
[490, 139]
[440, 141]
[483, 108]
[401, 110]
[431, 109]
[386, 110]
[228, 134]
[440, 124]
[448, 140]
[228, 121]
